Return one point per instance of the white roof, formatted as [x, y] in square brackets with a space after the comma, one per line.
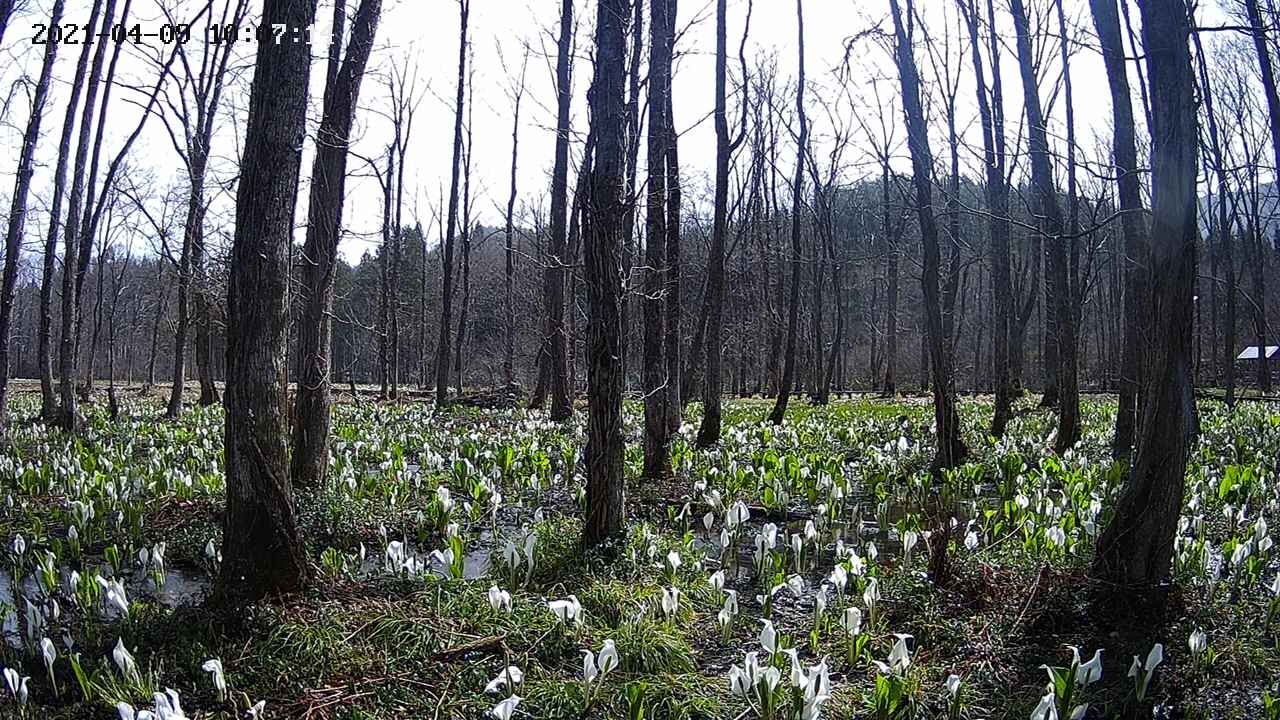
[1251, 352]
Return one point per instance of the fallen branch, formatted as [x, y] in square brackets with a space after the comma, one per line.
[485, 644]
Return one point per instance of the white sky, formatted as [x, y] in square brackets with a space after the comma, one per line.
[424, 32]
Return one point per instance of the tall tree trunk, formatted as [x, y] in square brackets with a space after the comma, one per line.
[691, 375]
[951, 449]
[262, 553]
[553, 276]
[446, 281]
[837, 287]
[208, 95]
[995, 160]
[467, 229]
[892, 260]
[313, 398]
[1136, 548]
[204, 324]
[656, 395]
[633, 157]
[605, 217]
[162, 308]
[71, 237]
[797, 197]
[394, 345]
[508, 298]
[18, 209]
[384, 282]
[815, 367]
[1106, 20]
[49, 401]
[1257, 243]
[1061, 338]
[672, 296]
[191, 227]
[1267, 71]
[93, 204]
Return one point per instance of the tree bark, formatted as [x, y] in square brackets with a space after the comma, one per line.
[49, 400]
[672, 297]
[606, 221]
[446, 281]
[313, 397]
[656, 395]
[1106, 20]
[18, 209]
[797, 196]
[94, 204]
[633, 158]
[467, 231]
[68, 415]
[995, 161]
[892, 261]
[1060, 335]
[1136, 547]
[508, 298]
[553, 275]
[262, 553]
[1267, 71]
[951, 449]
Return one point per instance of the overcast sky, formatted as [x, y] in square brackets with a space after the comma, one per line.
[423, 35]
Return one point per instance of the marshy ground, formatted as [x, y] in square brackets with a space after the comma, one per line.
[401, 619]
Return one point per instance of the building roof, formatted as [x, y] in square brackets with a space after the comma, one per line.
[1251, 352]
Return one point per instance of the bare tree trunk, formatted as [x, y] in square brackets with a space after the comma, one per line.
[18, 209]
[1106, 20]
[892, 260]
[66, 346]
[446, 282]
[384, 282]
[1267, 71]
[951, 449]
[394, 345]
[797, 197]
[554, 273]
[1225, 241]
[633, 159]
[204, 325]
[313, 397]
[606, 220]
[208, 92]
[671, 292]
[1061, 339]
[656, 393]
[466, 241]
[997, 194]
[49, 401]
[262, 553]
[1258, 275]
[93, 203]
[162, 308]
[192, 226]
[815, 366]
[1136, 548]
[836, 355]
[691, 373]
[508, 299]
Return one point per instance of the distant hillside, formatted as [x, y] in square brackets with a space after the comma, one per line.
[1269, 200]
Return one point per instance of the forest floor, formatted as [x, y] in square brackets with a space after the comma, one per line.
[429, 518]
